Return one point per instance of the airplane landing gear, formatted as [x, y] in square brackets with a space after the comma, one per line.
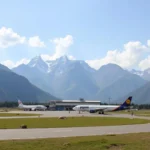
[101, 112]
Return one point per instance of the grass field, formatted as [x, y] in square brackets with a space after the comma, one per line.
[16, 114]
[4, 109]
[145, 113]
[136, 113]
[138, 141]
[69, 122]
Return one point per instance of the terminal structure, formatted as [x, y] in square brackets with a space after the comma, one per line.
[69, 104]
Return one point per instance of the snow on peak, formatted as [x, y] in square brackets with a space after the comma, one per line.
[58, 66]
[137, 72]
[38, 62]
[63, 59]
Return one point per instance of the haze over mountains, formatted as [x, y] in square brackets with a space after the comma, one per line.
[144, 74]
[74, 79]
[13, 86]
[65, 78]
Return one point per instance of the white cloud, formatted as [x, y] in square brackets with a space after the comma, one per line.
[145, 64]
[61, 48]
[127, 58]
[46, 57]
[10, 64]
[22, 61]
[36, 42]
[62, 45]
[70, 57]
[148, 43]
[9, 38]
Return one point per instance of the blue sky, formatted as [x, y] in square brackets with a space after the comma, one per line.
[96, 27]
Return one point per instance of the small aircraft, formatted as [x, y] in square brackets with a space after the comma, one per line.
[104, 108]
[31, 107]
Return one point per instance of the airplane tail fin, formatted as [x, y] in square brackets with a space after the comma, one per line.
[127, 102]
[20, 103]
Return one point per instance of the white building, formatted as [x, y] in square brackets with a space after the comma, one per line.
[69, 104]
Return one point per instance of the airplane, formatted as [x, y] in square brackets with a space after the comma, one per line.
[104, 108]
[31, 107]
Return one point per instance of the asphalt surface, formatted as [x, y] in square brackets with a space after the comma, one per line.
[8, 134]
[67, 114]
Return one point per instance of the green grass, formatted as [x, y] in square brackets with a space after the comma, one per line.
[4, 109]
[138, 141]
[16, 114]
[144, 115]
[136, 113]
[69, 122]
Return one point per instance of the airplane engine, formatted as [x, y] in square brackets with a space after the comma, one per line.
[33, 109]
[92, 111]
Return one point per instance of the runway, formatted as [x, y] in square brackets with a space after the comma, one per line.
[9, 134]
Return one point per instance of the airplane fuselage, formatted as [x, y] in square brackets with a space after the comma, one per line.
[98, 108]
[32, 107]
[94, 107]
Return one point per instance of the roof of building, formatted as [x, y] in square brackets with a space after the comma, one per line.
[76, 101]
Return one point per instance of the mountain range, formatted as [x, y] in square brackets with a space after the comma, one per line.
[74, 79]
[143, 74]
[14, 86]
[140, 95]
[68, 79]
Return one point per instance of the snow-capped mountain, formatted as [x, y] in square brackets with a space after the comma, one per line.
[137, 72]
[58, 66]
[56, 76]
[62, 64]
[74, 79]
[38, 63]
[144, 74]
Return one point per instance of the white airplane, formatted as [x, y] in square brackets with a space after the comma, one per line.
[31, 107]
[103, 108]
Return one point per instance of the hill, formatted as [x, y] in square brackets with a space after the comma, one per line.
[13, 86]
[121, 87]
[140, 95]
[69, 79]
[74, 79]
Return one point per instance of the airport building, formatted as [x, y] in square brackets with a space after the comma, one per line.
[69, 104]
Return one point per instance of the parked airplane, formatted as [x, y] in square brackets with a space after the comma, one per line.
[103, 108]
[31, 107]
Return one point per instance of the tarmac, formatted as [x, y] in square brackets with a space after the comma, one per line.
[67, 114]
[9, 134]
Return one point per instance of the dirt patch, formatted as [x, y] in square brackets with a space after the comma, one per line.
[114, 146]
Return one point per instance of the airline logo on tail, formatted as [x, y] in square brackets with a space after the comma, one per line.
[128, 101]
[125, 105]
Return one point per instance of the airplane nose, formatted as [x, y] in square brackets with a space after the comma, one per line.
[74, 108]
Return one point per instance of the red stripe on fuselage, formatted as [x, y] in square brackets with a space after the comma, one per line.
[116, 108]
